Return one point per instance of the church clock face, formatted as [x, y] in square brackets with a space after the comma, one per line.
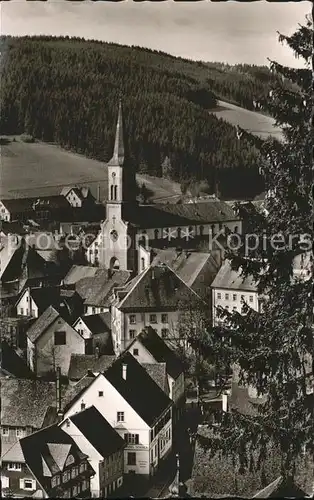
[114, 235]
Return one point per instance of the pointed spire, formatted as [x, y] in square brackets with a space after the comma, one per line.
[118, 152]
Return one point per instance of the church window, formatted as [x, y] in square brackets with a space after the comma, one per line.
[179, 232]
[111, 192]
[115, 190]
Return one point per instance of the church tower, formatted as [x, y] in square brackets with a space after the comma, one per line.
[118, 240]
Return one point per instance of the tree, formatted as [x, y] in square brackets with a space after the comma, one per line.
[273, 349]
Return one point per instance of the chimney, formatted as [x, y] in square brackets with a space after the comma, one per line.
[97, 352]
[58, 390]
[124, 370]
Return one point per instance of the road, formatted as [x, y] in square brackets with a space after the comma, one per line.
[251, 121]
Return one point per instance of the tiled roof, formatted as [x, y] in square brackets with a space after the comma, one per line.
[186, 264]
[184, 214]
[95, 285]
[46, 451]
[80, 364]
[25, 402]
[158, 373]
[18, 205]
[138, 388]
[72, 392]
[25, 258]
[49, 316]
[98, 323]
[228, 279]
[158, 287]
[160, 351]
[92, 424]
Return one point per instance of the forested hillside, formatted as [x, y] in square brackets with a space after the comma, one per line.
[66, 91]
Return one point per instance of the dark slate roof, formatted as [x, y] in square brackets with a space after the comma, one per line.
[98, 323]
[158, 372]
[226, 278]
[18, 205]
[185, 214]
[138, 389]
[45, 297]
[26, 402]
[47, 318]
[92, 424]
[12, 364]
[158, 287]
[80, 364]
[46, 452]
[26, 258]
[160, 351]
[12, 227]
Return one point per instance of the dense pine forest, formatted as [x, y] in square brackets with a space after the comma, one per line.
[66, 91]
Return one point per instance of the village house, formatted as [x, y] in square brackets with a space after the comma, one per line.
[58, 466]
[50, 343]
[136, 407]
[95, 286]
[153, 298]
[96, 330]
[43, 209]
[13, 330]
[230, 289]
[147, 348]
[83, 364]
[103, 446]
[77, 196]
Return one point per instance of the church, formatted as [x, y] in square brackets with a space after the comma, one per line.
[130, 230]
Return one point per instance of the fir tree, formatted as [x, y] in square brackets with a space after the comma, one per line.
[273, 348]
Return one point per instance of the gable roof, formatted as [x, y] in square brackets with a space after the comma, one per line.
[227, 278]
[25, 402]
[98, 323]
[47, 318]
[20, 205]
[80, 364]
[158, 372]
[11, 452]
[95, 285]
[138, 389]
[92, 424]
[46, 452]
[160, 351]
[44, 296]
[25, 258]
[12, 364]
[73, 392]
[158, 287]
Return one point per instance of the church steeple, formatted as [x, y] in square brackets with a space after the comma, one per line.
[118, 152]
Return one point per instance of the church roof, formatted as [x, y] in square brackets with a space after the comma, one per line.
[118, 152]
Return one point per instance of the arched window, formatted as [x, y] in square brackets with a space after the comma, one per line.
[179, 232]
[201, 230]
[115, 189]
[156, 233]
[212, 227]
[142, 263]
[236, 229]
[111, 192]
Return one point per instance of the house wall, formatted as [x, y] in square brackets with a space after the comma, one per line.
[90, 309]
[4, 213]
[26, 306]
[92, 252]
[231, 299]
[31, 355]
[73, 199]
[49, 356]
[82, 329]
[12, 481]
[108, 405]
[143, 259]
[112, 470]
[143, 320]
[109, 249]
[117, 328]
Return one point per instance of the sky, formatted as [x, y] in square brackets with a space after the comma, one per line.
[230, 32]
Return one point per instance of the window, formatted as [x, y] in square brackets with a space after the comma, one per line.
[153, 318]
[29, 484]
[14, 466]
[74, 491]
[5, 431]
[251, 298]
[22, 311]
[131, 458]
[56, 480]
[131, 438]
[227, 307]
[68, 423]
[66, 476]
[93, 310]
[142, 263]
[234, 308]
[218, 295]
[135, 352]
[164, 333]
[83, 467]
[236, 229]
[84, 485]
[132, 334]
[164, 318]
[120, 416]
[156, 234]
[132, 319]
[234, 296]
[74, 472]
[100, 394]
[19, 432]
[60, 338]
[5, 483]
[226, 296]
[83, 406]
